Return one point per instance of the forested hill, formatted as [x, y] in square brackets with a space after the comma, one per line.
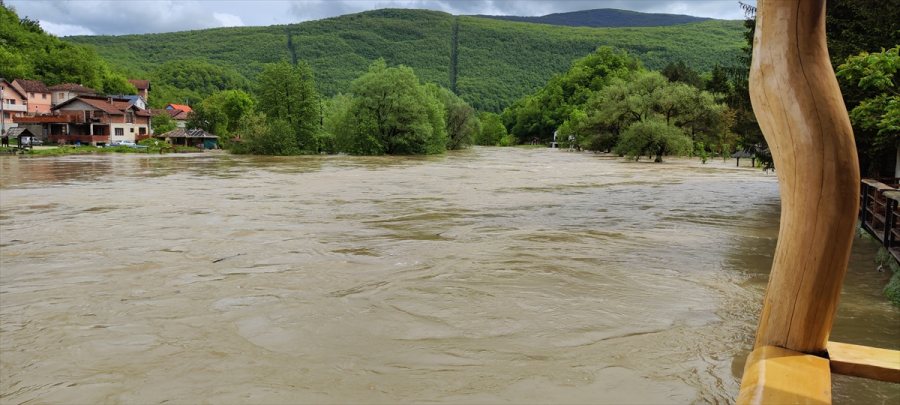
[605, 17]
[496, 61]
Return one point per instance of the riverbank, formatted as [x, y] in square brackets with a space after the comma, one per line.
[87, 150]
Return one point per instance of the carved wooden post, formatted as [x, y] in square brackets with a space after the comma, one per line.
[799, 107]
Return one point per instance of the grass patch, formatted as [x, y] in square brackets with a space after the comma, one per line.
[151, 148]
[892, 289]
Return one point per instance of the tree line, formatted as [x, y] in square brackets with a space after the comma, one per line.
[387, 111]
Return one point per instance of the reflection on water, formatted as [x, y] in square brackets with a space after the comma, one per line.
[481, 276]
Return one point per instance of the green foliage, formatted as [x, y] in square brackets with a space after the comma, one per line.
[856, 26]
[540, 114]
[188, 81]
[653, 137]
[262, 136]
[27, 52]
[221, 112]
[394, 114]
[162, 123]
[509, 140]
[462, 124]
[876, 76]
[492, 130]
[288, 93]
[680, 72]
[498, 61]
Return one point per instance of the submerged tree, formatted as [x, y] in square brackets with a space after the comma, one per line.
[653, 137]
[392, 113]
[492, 129]
[288, 93]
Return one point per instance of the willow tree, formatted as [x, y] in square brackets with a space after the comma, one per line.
[288, 93]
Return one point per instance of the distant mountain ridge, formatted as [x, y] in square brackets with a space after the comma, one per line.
[605, 17]
[491, 62]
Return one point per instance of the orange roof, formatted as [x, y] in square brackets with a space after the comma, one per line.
[181, 107]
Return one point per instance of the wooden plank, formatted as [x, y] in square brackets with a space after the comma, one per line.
[779, 376]
[864, 361]
[893, 195]
[877, 185]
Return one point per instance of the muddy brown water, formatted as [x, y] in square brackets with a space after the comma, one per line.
[488, 275]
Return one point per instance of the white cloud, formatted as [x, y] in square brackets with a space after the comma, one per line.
[62, 30]
[228, 20]
[69, 17]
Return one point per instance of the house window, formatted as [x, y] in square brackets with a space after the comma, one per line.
[43, 96]
[129, 118]
[120, 131]
[142, 131]
[132, 129]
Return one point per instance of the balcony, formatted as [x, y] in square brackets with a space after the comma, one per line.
[50, 119]
[15, 107]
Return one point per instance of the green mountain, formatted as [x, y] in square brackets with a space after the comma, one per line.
[605, 17]
[495, 61]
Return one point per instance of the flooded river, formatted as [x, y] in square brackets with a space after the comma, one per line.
[488, 275]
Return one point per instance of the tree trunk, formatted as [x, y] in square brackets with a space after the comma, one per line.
[803, 117]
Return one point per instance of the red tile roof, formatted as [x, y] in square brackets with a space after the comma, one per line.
[113, 106]
[32, 86]
[181, 107]
[75, 88]
[140, 84]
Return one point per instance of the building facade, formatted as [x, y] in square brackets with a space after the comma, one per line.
[39, 97]
[64, 92]
[93, 120]
[15, 103]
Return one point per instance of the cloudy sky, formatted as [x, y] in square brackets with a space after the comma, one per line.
[87, 17]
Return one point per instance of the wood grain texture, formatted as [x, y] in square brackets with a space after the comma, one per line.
[779, 376]
[864, 361]
[800, 109]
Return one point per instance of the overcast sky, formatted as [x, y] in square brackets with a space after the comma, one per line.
[88, 17]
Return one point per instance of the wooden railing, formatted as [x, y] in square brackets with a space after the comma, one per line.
[879, 213]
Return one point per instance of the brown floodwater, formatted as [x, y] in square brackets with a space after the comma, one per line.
[488, 275]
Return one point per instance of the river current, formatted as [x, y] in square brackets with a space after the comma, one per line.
[487, 275]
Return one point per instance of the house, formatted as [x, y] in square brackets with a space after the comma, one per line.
[135, 99]
[14, 103]
[179, 113]
[142, 86]
[190, 137]
[64, 92]
[39, 98]
[94, 120]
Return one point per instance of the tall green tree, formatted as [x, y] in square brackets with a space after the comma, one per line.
[395, 114]
[682, 73]
[462, 124]
[288, 93]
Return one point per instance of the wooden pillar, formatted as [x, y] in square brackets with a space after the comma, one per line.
[801, 112]
[800, 109]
